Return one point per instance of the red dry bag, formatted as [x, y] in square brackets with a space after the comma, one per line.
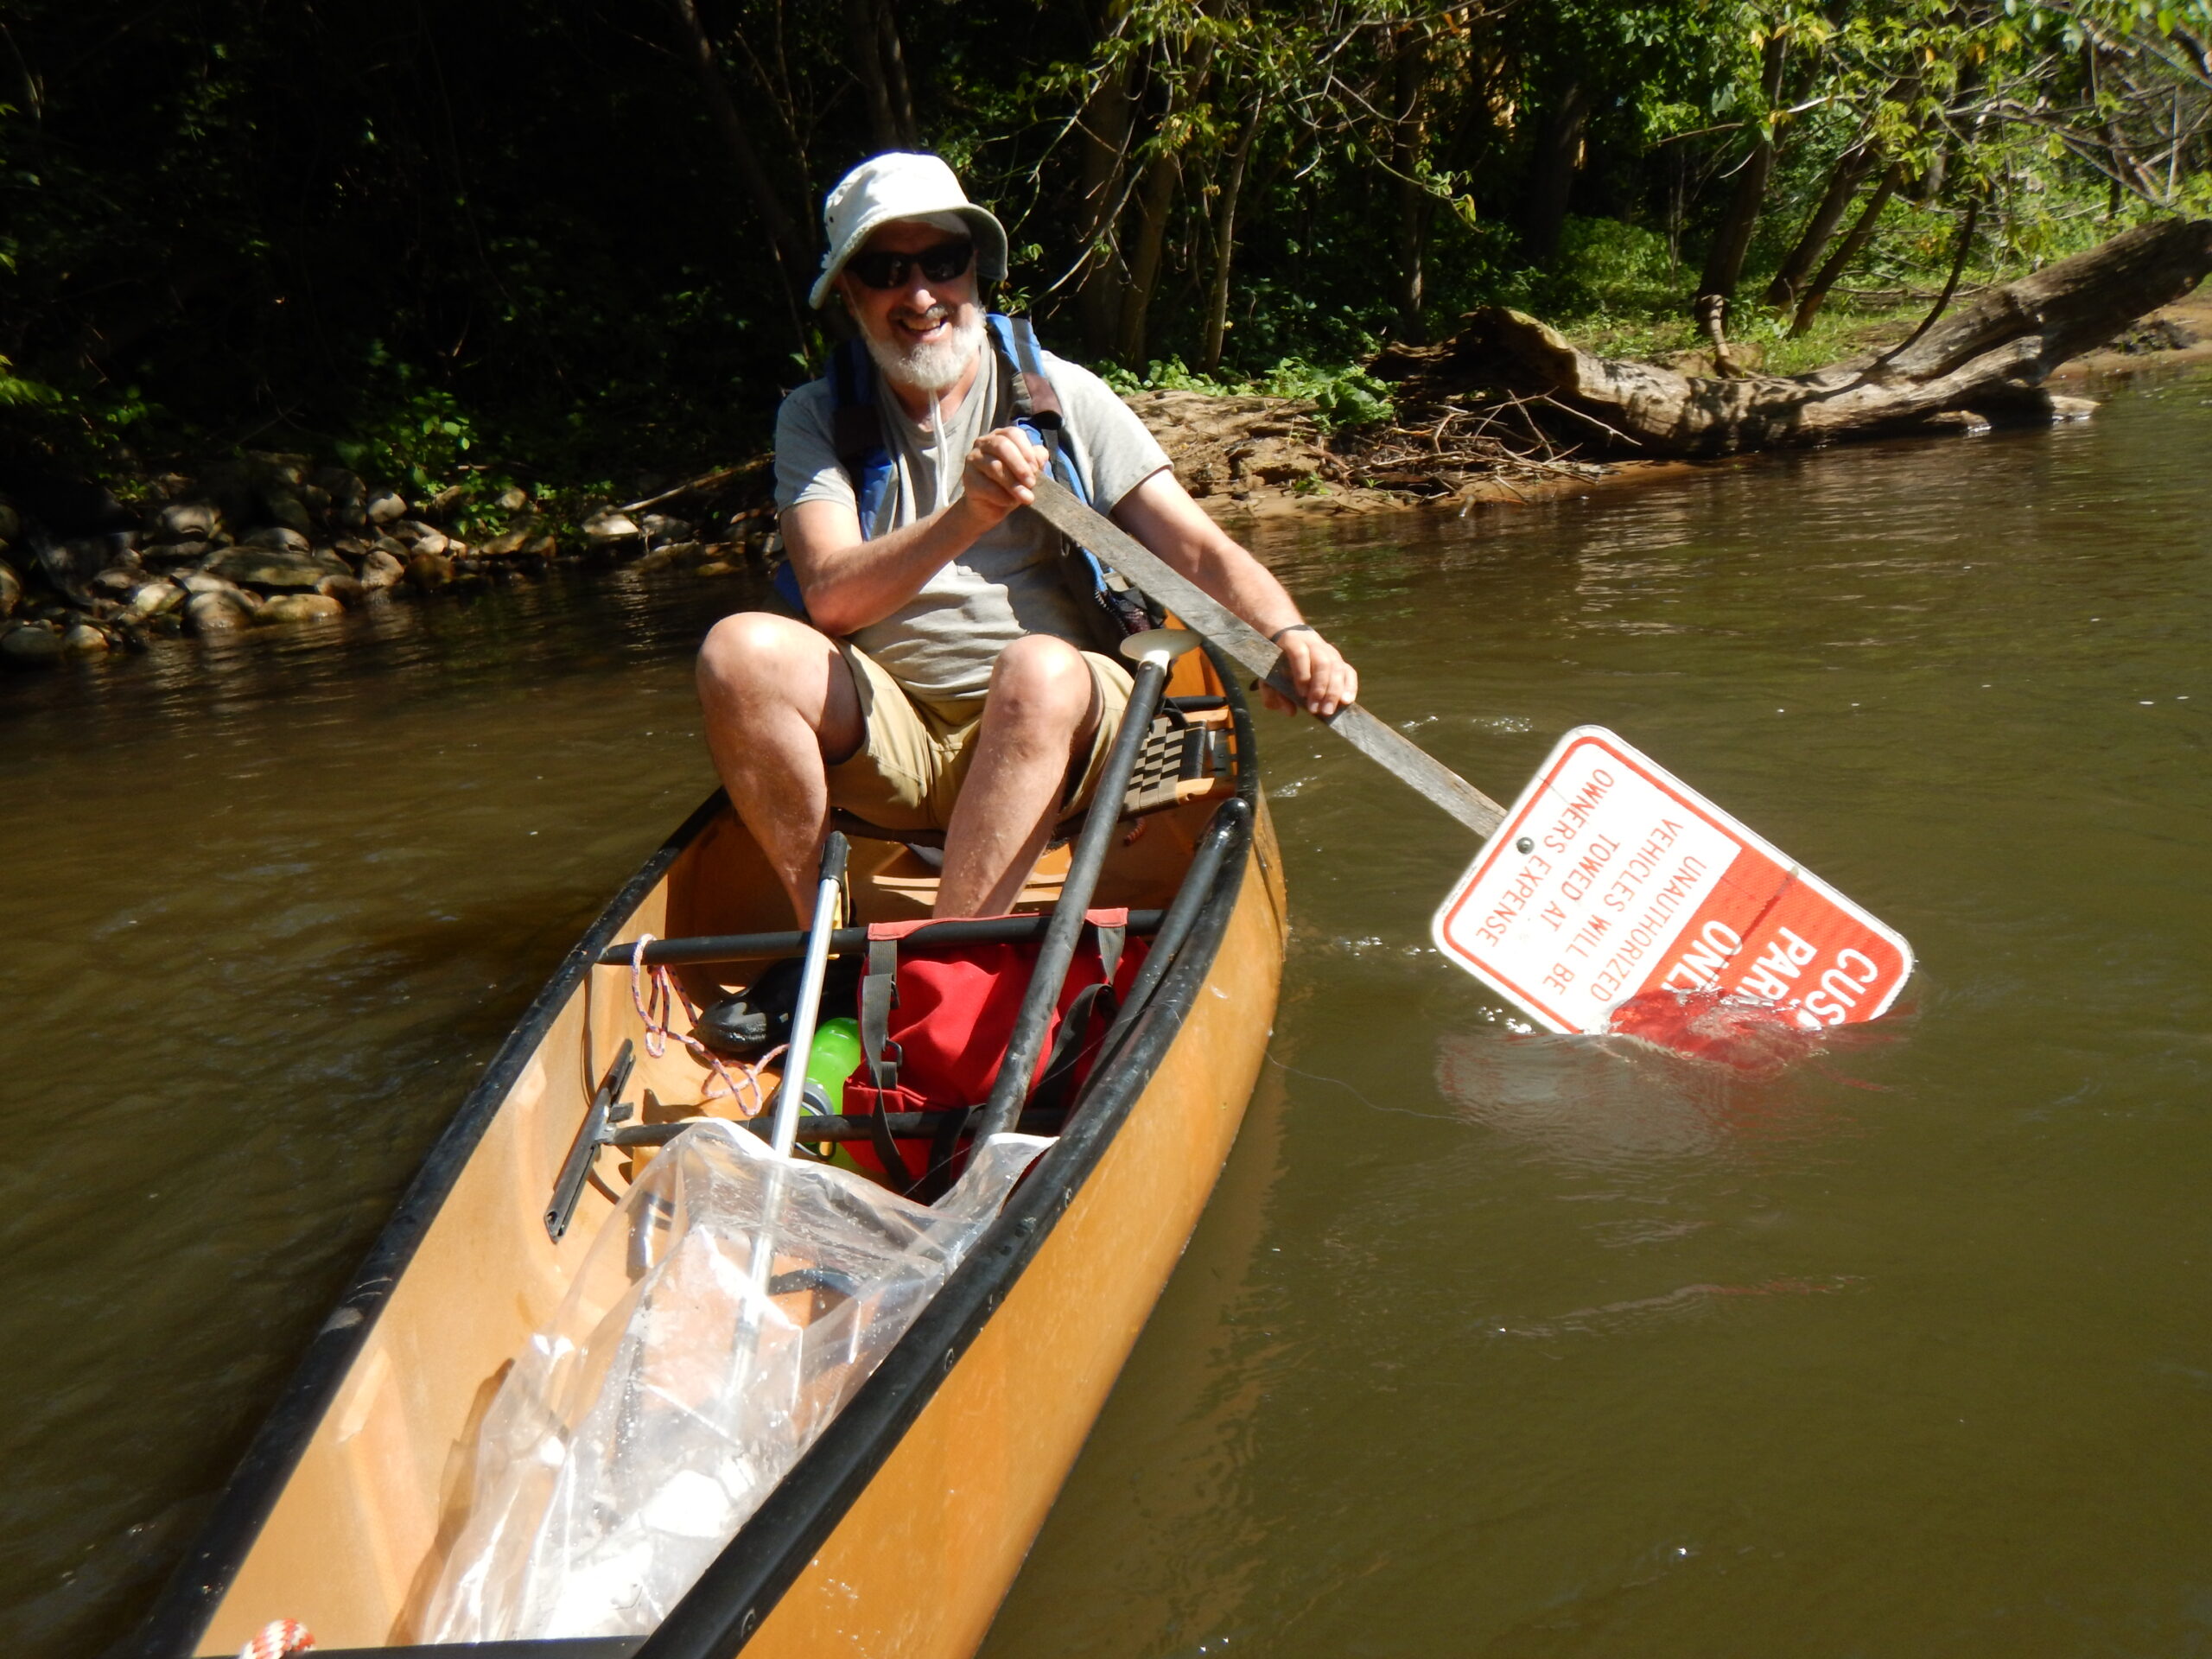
[934, 1028]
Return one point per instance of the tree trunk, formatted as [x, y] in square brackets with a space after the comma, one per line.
[1405, 163]
[1711, 314]
[861, 32]
[900, 90]
[1986, 361]
[1551, 172]
[1849, 248]
[1224, 246]
[1928, 188]
[1108, 116]
[791, 254]
[1724, 263]
[880, 62]
[1155, 200]
[1849, 172]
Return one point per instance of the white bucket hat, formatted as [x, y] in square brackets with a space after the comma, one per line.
[902, 184]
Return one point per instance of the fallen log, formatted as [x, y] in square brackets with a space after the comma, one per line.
[1985, 362]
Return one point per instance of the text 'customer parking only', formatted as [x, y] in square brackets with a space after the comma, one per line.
[1611, 877]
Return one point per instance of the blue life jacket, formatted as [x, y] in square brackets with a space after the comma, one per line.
[1112, 609]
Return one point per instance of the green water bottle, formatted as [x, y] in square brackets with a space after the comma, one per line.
[835, 1053]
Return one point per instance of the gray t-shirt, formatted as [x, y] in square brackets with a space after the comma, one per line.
[941, 643]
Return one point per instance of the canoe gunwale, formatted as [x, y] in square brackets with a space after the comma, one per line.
[736, 1594]
[771, 1549]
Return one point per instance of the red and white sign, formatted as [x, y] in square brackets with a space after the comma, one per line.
[1611, 877]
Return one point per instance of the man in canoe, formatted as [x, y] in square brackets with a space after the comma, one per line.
[947, 676]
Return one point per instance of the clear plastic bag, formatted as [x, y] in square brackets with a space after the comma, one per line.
[676, 1385]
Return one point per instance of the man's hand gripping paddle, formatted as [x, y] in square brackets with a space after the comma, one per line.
[1612, 897]
[1201, 613]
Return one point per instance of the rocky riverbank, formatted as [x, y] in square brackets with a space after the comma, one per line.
[274, 540]
[269, 540]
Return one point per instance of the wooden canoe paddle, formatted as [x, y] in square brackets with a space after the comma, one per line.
[1200, 611]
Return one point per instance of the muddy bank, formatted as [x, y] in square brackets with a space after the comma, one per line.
[1260, 458]
[2177, 333]
[1255, 458]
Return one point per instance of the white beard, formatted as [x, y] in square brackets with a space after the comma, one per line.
[931, 368]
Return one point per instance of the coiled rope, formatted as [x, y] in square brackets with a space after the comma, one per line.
[657, 995]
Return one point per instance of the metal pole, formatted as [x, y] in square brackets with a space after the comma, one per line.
[1197, 888]
[808, 1006]
[1154, 651]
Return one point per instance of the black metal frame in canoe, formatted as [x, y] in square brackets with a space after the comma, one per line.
[771, 1549]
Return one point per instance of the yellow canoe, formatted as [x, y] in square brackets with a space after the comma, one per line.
[898, 1532]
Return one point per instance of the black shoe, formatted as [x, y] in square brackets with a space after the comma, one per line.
[759, 1017]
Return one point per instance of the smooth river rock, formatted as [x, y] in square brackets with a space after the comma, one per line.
[430, 571]
[386, 506]
[154, 599]
[381, 569]
[290, 510]
[30, 646]
[279, 538]
[217, 612]
[11, 590]
[207, 581]
[176, 552]
[298, 607]
[530, 541]
[187, 521]
[83, 640]
[345, 494]
[421, 537]
[266, 567]
[69, 565]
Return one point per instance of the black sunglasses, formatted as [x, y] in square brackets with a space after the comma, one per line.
[941, 263]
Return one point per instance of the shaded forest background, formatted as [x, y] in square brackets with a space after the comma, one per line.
[567, 244]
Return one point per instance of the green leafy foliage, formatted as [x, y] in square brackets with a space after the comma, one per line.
[482, 240]
[419, 435]
[16, 392]
[1605, 267]
[1343, 395]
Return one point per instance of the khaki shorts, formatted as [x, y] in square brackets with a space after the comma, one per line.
[908, 770]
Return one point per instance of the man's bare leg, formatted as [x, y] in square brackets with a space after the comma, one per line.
[781, 708]
[1041, 709]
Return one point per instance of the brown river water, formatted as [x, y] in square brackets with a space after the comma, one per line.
[1491, 1343]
